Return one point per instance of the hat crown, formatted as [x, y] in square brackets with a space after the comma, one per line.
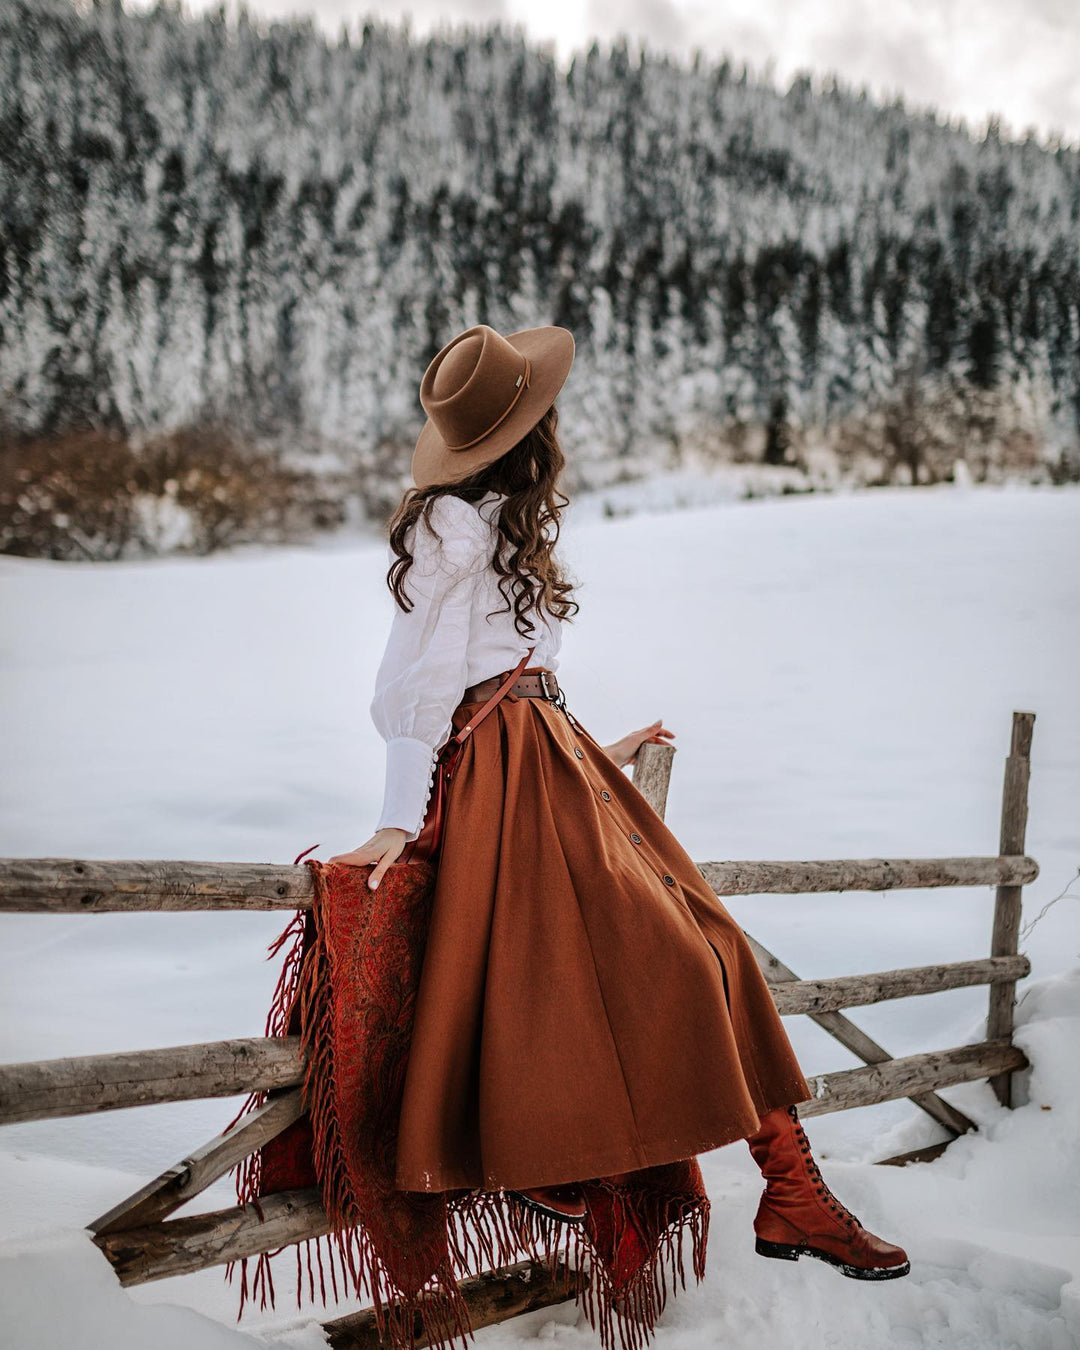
[472, 384]
[457, 365]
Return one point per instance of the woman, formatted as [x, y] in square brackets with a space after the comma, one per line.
[587, 1006]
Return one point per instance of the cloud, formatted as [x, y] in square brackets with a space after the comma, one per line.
[1017, 59]
[966, 58]
[661, 21]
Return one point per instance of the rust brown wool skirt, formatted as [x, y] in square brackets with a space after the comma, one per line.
[571, 1017]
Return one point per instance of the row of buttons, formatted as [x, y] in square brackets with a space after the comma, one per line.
[635, 838]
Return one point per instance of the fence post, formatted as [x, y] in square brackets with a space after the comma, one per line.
[652, 773]
[1014, 809]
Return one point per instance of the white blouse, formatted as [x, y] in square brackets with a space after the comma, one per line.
[444, 644]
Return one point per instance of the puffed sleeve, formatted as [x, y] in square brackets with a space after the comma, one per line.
[423, 672]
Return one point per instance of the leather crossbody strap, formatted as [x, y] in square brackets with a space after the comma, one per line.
[425, 847]
[466, 731]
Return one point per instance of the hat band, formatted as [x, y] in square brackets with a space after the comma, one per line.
[523, 384]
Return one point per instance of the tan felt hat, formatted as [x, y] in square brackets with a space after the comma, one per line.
[482, 393]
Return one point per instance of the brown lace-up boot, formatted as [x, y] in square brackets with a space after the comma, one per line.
[799, 1216]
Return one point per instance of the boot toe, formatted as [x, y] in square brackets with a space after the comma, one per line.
[885, 1253]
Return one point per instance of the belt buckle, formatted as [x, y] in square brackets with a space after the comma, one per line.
[546, 692]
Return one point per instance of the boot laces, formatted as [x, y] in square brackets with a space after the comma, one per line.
[839, 1209]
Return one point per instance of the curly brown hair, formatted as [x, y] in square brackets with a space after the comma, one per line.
[527, 476]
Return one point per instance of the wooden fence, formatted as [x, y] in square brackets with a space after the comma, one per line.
[143, 1242]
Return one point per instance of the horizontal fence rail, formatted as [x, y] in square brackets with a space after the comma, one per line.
[48, 1088]
[144, 1242]
[865, 874]
[180, 1246]
[143, 1239]
[856, 991]
[77, 886]
[900, 1077]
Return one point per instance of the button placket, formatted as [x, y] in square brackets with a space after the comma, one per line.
[634, 837]
[666, 877]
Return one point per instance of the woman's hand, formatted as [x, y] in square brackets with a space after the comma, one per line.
[624, 751]
[382, 848]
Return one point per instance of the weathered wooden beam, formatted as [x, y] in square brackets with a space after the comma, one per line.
[652, 773]
[46, 1089]
[180, 1246]
[925, 1154]
[864, 874]
[913, 1073]
[1007, 903]
[85, 886]
[73, 886]
[493, 1297]
[854, 991]
[192, 1175]
[856, 1040]
[67, 1087]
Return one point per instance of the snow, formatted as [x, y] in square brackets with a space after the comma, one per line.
[87, 1303]
[57, 1289]
[848, 694]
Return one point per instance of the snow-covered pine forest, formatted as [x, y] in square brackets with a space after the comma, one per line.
[223, 239]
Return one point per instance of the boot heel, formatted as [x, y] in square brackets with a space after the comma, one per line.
[780, 1251]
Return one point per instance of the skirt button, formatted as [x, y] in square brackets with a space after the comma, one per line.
[668, 879]
[605, 794]
[636, 838]
[579, 752]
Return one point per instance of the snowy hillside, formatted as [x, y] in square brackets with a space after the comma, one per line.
[840, 673]
[254, 225]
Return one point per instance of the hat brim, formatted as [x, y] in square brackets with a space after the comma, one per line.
[550, 350]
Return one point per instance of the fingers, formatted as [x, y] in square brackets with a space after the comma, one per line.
[362, 857]
[357, 857]
[379, 871]
[382, 849]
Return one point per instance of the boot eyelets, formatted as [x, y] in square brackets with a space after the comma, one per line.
[829, 1213]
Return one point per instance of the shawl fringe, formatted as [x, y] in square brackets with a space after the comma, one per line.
[628, 1254]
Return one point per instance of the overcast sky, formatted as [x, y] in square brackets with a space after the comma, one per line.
[1019, 59]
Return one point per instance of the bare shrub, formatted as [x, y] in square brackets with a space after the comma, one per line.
[98, 495]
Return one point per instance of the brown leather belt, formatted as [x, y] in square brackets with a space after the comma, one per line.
[533, 682]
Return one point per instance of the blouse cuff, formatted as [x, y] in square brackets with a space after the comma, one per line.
[410, 770]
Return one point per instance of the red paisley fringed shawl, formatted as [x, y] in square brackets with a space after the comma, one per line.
[348, 989]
